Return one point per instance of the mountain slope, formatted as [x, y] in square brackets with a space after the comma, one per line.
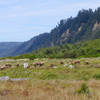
[85, 26]
[89, 48]
[6, 48]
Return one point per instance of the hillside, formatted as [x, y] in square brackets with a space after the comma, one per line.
[89, 48]
[6, 48]
[85, 26]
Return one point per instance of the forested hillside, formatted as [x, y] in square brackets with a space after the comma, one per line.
[89, 48]
[85, 26]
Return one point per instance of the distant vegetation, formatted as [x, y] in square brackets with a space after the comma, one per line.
[90, 48]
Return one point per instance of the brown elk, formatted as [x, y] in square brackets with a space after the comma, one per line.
[38, 64]
[76, 62]
[8, 65]
[17, 65]
[52, 66]
[2, 68]
[62, 62]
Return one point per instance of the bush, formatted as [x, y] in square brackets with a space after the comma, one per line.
[96, 76]
[84, 89]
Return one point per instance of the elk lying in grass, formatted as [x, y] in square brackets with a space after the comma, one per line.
[52, 66]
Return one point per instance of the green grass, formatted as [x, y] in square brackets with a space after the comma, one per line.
[61, 83]
[84, 89]
[79, 72]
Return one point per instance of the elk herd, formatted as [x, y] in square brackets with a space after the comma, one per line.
[70, 64]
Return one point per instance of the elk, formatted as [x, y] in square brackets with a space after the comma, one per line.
[2, 68]
[62, 62]
[8, 65]
[38, 64]
[76, 62]
[86, 62]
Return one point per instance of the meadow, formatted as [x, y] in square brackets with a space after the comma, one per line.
[54, 80]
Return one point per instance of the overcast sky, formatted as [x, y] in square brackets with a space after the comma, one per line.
[20, 20]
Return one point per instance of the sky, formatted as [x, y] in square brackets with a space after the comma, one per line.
[20, 20]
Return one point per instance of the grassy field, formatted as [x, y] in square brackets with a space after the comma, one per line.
[51, 83]
[49, 90]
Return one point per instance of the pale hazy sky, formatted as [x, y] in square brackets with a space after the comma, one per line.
[20, 20]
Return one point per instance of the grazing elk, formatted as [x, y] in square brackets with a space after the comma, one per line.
[62, 62]
[17, 65]
[8, 65]
[86, 62]
[38, 64]
[2, 68]
[76, 62]
[52, 66]
[26, 65]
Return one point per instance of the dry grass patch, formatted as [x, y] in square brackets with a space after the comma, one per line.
[48, 90]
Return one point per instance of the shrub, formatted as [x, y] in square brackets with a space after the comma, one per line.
[84, 89]
[96, 76]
